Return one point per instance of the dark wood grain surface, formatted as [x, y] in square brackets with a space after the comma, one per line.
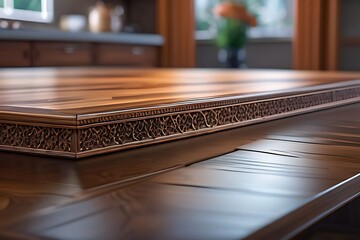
[266, 181]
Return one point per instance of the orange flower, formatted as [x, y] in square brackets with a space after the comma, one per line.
[251, 21]
[234, 11]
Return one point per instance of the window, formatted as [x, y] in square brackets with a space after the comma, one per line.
[275, 18]
[27, 10]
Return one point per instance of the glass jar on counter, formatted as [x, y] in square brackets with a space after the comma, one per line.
[106, 17]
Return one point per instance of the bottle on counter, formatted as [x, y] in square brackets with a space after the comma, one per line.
[105, 17]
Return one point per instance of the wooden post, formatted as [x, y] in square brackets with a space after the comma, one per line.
[176, 23]
[332, 47]
[316, 35]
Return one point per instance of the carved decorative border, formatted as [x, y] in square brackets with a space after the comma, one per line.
[150, 126]
[36, 137]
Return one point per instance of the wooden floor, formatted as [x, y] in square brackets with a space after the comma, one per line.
[80, 112]
[266, 181]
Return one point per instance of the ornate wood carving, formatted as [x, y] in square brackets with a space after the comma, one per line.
[99, 134]
[36, 137]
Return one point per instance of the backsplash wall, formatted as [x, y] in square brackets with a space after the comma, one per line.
[139, 13]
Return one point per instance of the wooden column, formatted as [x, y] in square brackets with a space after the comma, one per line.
[175, 21]
[332, 31]
[316, 35]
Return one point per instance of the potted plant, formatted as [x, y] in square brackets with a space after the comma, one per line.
[233, 21]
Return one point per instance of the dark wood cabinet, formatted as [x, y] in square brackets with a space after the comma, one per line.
[62, 54]
[126, 55]
[42, 53]
[15, 54]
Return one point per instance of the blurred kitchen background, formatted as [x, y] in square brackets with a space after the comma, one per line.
[290, 34]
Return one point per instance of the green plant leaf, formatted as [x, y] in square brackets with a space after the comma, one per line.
[231, 33]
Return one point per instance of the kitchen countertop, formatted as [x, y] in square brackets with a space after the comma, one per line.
[56, 35]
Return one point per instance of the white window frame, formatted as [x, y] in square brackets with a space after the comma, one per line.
[46, 15]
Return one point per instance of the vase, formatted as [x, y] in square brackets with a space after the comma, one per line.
[232, 57]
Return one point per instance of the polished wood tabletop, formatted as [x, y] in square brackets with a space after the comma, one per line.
[81, 112]
[266, 181]
[76, 91]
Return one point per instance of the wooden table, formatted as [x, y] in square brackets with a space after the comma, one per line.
[265, 181]
[87, 111]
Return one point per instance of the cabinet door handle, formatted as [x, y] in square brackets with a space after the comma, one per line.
[69, 50]
[137, 51]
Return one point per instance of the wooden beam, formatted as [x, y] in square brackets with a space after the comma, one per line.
[162, 28]
[332, 47]
[176, 22]
[316, 35]
[299, 35]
